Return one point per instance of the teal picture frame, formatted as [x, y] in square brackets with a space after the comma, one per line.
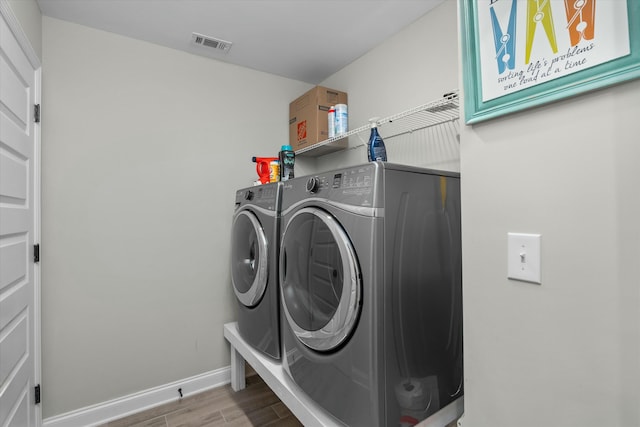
[606, 74]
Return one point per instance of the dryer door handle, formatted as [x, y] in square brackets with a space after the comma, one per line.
[283, 265]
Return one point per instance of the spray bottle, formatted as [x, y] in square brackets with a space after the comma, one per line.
[376, 149]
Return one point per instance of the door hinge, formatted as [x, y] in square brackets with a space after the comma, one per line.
[37, 394]
[36, 113]
[36, 252]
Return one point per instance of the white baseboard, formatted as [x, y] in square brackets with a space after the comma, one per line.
[121, 407]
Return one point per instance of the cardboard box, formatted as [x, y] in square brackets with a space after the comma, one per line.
[308, 120]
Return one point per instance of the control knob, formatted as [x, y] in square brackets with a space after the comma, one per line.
[312, 184]
[248, 195]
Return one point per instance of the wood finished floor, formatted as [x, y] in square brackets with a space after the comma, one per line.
[256, 405]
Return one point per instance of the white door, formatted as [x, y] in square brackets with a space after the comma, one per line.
[19, 212]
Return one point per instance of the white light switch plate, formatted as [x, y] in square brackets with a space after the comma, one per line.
[523, 257]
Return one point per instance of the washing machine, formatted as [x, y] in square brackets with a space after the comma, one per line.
[371, 291]
[255, 236]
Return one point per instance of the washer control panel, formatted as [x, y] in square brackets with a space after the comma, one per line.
[265, 196]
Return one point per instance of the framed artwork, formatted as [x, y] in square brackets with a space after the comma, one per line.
[517, 54]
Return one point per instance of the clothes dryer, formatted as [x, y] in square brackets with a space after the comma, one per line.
[255, 236]
[371, 291]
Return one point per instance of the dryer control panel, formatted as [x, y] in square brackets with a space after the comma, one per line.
[353, 186]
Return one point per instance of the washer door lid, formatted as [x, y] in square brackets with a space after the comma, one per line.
[249, 260]
[319, 279]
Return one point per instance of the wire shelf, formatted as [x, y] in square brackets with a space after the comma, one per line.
[441, 111]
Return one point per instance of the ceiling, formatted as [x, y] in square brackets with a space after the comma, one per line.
[305, 40]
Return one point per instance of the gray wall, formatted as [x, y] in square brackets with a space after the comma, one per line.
[143, 149]
[567, 352]
[398, 75]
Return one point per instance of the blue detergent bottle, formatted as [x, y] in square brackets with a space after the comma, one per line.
[287, 162]
[376, 149]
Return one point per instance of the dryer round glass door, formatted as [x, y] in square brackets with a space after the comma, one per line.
[249, 263]
[320, 279]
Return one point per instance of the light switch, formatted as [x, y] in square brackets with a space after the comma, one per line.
[523, 257]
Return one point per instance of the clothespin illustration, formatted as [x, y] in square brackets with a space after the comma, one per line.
[539, 11]
[505, 42]
[580, 19]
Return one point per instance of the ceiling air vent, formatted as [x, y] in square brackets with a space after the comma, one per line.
[211, 42]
